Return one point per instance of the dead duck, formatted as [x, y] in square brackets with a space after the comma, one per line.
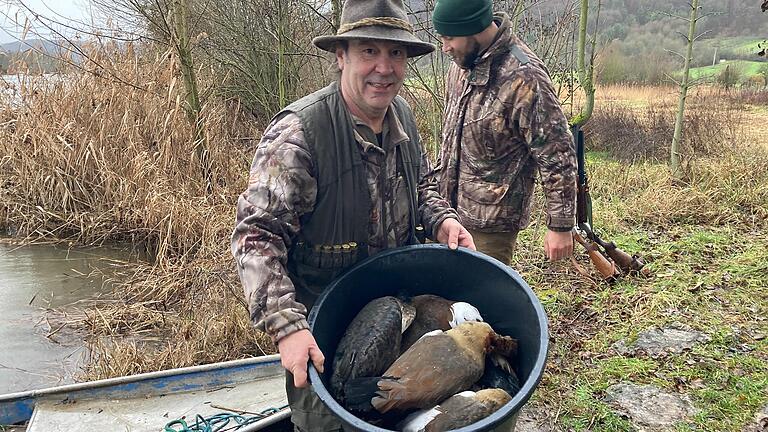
[437, 313]
[499, 373]
[438, 365]
[371, 342]
[459, 410]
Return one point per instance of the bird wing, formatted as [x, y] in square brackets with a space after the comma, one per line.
[432, 370]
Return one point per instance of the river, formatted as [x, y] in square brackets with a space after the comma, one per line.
[34, 279]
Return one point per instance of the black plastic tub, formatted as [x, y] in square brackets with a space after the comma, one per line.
[505, 301]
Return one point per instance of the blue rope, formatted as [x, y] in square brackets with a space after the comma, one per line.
[219, 422]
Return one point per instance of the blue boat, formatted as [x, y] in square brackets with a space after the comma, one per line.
[150, 401]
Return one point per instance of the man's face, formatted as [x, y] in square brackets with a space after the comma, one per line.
[372, 73]
[462, 49]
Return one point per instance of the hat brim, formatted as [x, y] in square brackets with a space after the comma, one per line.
[415, 46]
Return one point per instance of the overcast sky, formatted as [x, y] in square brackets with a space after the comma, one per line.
[12, 17]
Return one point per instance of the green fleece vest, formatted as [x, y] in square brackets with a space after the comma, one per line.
[343, 205]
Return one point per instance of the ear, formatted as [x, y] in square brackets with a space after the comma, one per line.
[340, 57]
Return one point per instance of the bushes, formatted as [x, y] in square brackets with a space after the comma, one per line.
[632, 134]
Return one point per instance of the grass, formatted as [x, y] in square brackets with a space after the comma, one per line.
[741, 45]
[97, 162]
[744, 67]
[707, 255]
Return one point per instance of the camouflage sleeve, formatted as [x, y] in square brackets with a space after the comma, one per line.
[281, 188]
[537, 112]
[433, 208]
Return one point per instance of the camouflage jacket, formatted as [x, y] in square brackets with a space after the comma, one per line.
[502, 123]
[282, 188]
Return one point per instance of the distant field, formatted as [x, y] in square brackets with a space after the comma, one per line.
[746, 68]
[743, 45]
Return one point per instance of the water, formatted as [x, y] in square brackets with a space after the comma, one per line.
[34, 279]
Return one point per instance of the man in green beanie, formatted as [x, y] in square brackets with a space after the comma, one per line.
[502, 123]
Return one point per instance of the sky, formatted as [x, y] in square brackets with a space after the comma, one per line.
[59, 10]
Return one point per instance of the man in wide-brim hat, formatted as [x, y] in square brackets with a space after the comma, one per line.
[338, 176]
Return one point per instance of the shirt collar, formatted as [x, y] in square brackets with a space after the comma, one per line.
[392, 131]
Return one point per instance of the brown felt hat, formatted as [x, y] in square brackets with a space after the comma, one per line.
[375, 20]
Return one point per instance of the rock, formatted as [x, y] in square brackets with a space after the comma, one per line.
[662, 342]
[648, 407]
[760, 424]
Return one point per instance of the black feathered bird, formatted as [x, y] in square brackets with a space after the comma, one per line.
[371, 342]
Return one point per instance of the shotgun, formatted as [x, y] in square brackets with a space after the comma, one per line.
[627, 263]
[606, 268]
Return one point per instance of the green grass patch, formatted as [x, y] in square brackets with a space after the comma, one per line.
[744, 67]
[741, 45]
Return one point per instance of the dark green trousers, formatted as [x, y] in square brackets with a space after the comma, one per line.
[308, 412]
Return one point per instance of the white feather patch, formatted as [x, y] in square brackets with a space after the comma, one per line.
[432, 333]
[463, 312]
[419, 420]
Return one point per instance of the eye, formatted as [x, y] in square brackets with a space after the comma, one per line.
[369, 51]
[399, 53]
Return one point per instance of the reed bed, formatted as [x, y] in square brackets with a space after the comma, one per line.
[101, 159]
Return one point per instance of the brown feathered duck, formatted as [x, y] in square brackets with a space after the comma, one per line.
[436, 313]
[371, 342]
[459, 410]
[438, 365]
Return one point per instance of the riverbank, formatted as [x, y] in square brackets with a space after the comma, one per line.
[99, 162]
[41, 283]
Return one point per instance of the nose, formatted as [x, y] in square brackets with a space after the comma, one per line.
[445, 48]
[384, 65]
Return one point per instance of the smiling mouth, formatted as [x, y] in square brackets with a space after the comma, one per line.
[380, 86]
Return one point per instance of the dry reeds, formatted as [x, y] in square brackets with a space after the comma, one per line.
[630, 133]
[109, 157]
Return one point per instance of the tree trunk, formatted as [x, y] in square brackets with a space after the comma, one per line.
[684, 86]
[585, 72]
[336, 6]
[192, 105]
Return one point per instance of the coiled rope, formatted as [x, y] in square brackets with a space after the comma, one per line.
[219, 422]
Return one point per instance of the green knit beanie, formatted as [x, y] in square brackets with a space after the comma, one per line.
[462, 17]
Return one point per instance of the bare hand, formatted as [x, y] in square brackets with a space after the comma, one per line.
[296, 350]
[452, 233]
[558, 245]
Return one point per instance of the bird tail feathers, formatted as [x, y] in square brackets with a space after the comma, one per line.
[358, 393]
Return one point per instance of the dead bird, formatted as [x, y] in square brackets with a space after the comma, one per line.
[436, 313]
[371, 342]
[438, 365]
[499, 373]
[459, 410]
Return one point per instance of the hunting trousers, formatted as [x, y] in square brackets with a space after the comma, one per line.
[500, 245]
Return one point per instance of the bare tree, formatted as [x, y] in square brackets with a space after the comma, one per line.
[684, 84]
[586, 71]
[173, 23]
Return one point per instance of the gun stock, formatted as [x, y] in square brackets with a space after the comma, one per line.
[606, 268]
[627, 263]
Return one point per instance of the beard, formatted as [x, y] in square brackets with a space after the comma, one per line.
[473, 52]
